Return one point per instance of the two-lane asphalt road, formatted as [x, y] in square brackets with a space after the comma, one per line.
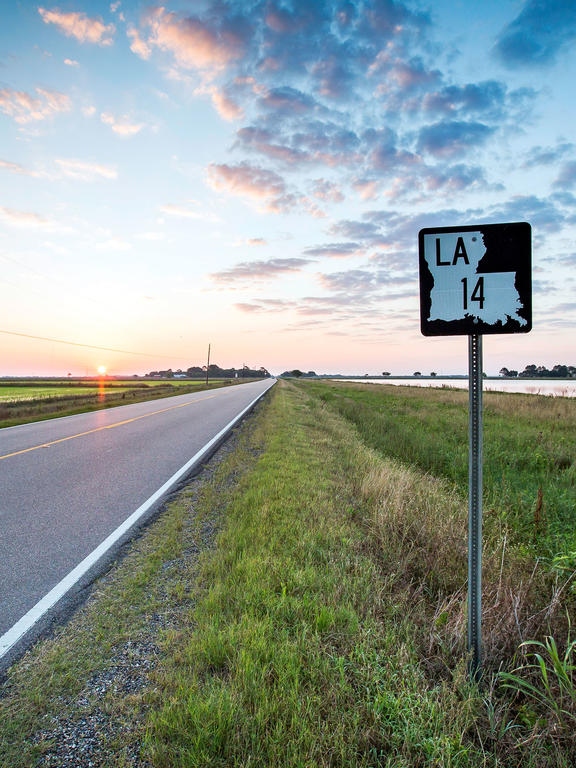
[68, 484]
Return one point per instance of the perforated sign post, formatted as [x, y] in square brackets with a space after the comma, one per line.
[475, 280]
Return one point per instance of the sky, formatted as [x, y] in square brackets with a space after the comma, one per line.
[254, 174]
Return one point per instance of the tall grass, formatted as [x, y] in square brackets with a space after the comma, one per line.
[419, 523]
[529, 451]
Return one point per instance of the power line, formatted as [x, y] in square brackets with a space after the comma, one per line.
[89, 346]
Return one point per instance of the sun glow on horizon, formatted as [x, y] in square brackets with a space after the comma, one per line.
[102, 370]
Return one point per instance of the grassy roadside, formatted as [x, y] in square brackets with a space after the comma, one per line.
[57, 404]
[324, 630]
[330, 630]
[302, 653]
[529, 452]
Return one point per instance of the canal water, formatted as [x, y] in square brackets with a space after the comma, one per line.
[558, 388]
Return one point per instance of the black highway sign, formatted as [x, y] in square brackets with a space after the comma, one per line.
[475, 279]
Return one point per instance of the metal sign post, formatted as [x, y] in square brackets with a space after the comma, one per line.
[475, 506]
[475, 279]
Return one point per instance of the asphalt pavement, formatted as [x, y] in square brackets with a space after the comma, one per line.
[67, 484]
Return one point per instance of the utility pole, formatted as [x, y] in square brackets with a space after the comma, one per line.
[208, 365]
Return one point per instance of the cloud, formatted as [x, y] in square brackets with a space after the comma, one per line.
[341, 97]
[261, 141]
[542, 29]
[249, 308]
[328, 142]
[80, 26]
[567, 176]
[24, 108]
[16, 168]
[249, 271]
[71, 63]
[288, 101]
[265, 305]
[122, 126]
[353, 281]
[542, 213]
[547, 155]
[23, 218]
[310, 142]
[569, 306]
[457, 178]
[397, 232]
[86, 170]
[385, 20]
[368, 189]
[357, 230]
[195, 43]
[137, 44]
[452, 138]
[226, 107]
[256, 183]
[335, 80]
[261, 185]
[327, 191]
[487, 98]
[406, 76]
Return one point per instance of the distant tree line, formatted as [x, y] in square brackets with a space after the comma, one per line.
[297, 373]
[540, 371]
[214, 372]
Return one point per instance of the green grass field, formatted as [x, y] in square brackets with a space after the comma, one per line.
[18, 394]
[23, 401]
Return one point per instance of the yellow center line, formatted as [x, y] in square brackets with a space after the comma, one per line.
[108, 426]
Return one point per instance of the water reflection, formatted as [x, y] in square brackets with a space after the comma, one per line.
[524, 386]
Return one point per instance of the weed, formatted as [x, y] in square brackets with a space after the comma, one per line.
[547, 677]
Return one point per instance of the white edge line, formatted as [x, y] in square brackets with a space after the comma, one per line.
[25, 624]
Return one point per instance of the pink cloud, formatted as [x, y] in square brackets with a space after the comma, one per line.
[250, 271]
[22, 218]
[366, 188]
[80, 26]
[195, 44]
[259, 184]
[24, 108]
[137, 45]
[85, 170]
[16, 168]
[264, 186]
[227, 108]
[122, 126]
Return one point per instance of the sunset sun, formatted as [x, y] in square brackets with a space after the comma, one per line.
[101, 370]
